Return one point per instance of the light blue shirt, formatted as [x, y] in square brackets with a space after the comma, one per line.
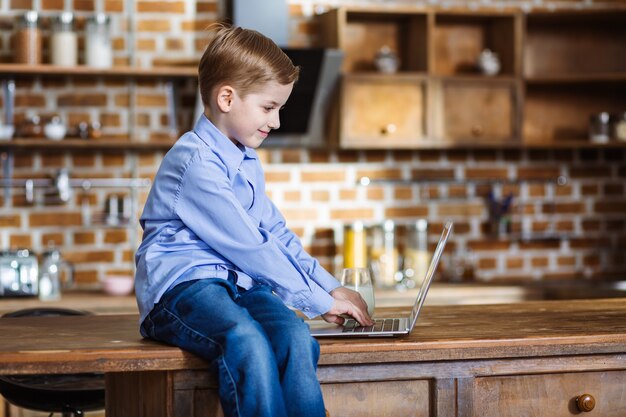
[207, 213]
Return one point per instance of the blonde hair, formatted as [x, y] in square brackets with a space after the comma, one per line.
[244, 59]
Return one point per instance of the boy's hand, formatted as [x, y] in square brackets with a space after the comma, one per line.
[350, 303]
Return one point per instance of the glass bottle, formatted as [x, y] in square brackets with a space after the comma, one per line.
[28, 39]
[98, 47]
[64, 42]
[599, 131]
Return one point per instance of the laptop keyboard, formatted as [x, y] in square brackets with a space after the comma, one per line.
[380, 325]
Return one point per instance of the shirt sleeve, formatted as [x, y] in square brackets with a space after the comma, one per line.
[209, 208]
[275, 223]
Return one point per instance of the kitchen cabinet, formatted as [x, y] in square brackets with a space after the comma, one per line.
[598, 393]
[466, 111]
[379, 398]
[394, 115]
[556, 69]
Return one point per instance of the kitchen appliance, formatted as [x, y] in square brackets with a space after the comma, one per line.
[270, 17]
[19, 274]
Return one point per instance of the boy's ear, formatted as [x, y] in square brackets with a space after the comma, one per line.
[225, 96]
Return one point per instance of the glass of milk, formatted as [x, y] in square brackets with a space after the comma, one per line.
[359, 280]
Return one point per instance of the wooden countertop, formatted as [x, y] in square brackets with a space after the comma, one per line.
[111, 343]
[439, 294]
[92, 301]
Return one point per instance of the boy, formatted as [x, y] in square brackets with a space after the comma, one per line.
[217, 263]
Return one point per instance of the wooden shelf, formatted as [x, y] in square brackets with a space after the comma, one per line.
[427, 144]
[118, 71]
[375, 75]
[102, 143]
[501, 78]
[576, 78]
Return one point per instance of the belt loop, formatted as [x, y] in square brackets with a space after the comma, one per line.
[232, 277]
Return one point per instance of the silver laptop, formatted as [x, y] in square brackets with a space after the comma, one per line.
[385, 327]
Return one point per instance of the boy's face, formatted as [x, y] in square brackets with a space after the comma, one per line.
[252, 117]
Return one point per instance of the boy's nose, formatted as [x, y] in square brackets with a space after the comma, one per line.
[274, 122]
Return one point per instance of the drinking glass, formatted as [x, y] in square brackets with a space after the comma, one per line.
[358, 279]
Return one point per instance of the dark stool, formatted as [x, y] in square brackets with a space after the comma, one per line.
[70, 394]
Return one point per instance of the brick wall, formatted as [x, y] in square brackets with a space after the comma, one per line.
[572, 231]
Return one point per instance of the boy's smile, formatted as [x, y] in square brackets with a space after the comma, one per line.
[248, 120]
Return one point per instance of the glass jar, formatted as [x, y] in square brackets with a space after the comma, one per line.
[619, 127]
[416, 255]
[384, 260]
[98, 47]
[599, 127]
[28, 39]
[354, 246]
[64, 42]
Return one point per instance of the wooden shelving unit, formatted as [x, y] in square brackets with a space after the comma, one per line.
[557, 69]
[130, 74]
[574, 67]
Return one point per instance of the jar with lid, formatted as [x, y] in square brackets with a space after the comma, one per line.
[54, 275]
[98, 47]
[354, 246]
[416, 255]
[619, 127]
[599, 131]
[384, 260]
[28, 39]
[64, 42]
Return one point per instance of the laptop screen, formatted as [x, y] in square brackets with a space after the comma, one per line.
[421, 296]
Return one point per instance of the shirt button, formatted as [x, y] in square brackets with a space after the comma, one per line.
[306, 308]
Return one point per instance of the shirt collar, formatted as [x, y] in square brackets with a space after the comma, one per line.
[232, 155]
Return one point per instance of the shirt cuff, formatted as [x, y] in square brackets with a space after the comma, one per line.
[325, 280]
[318, 303]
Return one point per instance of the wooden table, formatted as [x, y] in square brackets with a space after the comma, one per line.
[95, 302]
[531, 359]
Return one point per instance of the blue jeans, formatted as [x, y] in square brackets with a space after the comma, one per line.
[262, 352]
